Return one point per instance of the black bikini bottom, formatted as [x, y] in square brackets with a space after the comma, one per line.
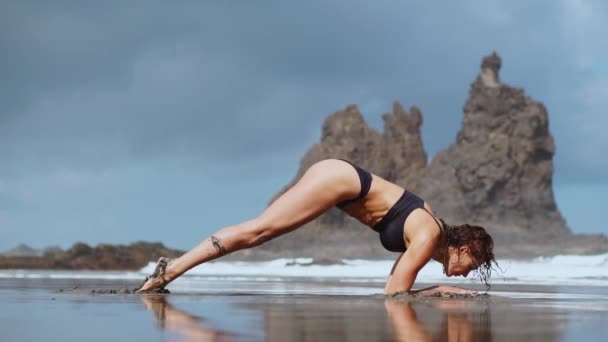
[365, 178]
[391, 227]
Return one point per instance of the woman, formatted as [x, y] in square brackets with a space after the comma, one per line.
[406, 224]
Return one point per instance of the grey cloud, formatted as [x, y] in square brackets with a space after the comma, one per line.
[89, 87]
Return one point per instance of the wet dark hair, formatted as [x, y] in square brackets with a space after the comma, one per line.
[480, 244]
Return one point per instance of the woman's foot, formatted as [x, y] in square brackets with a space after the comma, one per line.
[158, 279]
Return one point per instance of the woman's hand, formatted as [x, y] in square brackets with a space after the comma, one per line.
[447, 290]
[443, 291]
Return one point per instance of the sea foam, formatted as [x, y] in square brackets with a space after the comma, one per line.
[584, 270]
[556, 270]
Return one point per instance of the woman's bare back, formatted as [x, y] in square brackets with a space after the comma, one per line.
[380, 198]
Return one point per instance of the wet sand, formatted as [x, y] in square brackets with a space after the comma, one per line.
[296, 310]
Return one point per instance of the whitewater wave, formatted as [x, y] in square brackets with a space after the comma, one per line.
[556, 270]
[584, 270]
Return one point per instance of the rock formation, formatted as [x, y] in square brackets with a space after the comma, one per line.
[500, 169]
[396, 155]
[498, 174]
[22, 250]
[102, 257]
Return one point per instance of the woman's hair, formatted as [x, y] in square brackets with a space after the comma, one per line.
[480, 244]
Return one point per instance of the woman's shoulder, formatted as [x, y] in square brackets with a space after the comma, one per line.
[423, 222]
[429, 209]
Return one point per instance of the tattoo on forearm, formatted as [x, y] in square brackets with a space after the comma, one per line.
[217, 243]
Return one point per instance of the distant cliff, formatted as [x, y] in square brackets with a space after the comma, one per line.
[498, 174]
[82, 256]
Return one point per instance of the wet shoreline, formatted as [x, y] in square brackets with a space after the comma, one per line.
[295, 310]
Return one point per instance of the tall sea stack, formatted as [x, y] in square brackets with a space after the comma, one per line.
[498, 173]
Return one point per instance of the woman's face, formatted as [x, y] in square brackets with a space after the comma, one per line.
[460, 262]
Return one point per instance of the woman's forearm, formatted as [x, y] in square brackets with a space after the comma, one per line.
[432, 291]
[426, 292]
[401, 281]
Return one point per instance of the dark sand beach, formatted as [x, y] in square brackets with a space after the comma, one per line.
[67, 310]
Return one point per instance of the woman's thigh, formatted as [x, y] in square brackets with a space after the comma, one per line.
[324, 184]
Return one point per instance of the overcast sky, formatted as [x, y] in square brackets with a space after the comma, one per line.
[147, 120]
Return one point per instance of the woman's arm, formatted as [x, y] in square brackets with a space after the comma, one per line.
[406, 268]
[441, 290]
[391, 274]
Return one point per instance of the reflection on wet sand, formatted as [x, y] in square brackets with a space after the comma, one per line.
[366, 318]
[324, 318]
[192, 328]
[446, 320]
[375, 319]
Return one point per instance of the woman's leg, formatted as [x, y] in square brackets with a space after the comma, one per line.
[322, 186]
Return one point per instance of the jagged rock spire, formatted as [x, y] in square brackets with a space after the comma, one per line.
[499, 171]
[490, 66]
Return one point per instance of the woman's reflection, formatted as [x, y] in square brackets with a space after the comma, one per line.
[170, 318]
[441, 320]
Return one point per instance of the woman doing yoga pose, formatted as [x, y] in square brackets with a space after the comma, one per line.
[405, 222]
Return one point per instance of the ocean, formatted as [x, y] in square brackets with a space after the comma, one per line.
[560, 298]
[570, 270]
